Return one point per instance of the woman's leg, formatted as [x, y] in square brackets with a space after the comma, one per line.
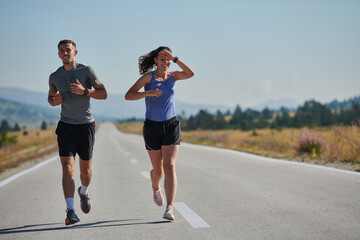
[169, 154]
[157, 171]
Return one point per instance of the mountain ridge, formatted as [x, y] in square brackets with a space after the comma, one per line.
[115, 107]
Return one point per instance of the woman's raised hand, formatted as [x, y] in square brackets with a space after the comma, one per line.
[165, 53]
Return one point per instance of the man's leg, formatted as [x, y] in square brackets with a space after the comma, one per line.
[85, 177]
[85, 151]
[85, 172]
[68, 183]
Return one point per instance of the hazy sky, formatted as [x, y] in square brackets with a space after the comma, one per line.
[243, 52]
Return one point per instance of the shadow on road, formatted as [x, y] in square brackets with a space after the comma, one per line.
[61, 226]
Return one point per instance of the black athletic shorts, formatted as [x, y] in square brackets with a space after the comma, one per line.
[157, 134]
[76, 138]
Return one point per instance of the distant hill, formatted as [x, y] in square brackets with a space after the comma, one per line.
[31, 107]
[293, 105]
[115, 107]
[25, 114]
[344, 104]
[277, 105]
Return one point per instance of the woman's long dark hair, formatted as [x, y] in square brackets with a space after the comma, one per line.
[146, 62]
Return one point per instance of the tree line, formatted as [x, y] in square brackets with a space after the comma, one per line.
[310, 114]
[5, 139]
[5, 128]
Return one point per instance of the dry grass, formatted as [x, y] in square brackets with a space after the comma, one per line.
[263, 142]
[130, 127]
[342, 143]
[35, 144]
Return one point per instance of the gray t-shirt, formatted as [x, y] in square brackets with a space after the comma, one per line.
[75, 109]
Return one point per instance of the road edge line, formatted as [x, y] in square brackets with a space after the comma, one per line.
[19, 174]
[269, 159]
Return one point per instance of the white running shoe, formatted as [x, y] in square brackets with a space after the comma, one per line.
[158, 197]
[169, 213]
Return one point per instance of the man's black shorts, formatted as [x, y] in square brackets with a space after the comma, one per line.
[76, 138]
[157, 134]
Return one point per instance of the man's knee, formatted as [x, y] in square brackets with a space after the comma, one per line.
[85, 167]
[67, 166]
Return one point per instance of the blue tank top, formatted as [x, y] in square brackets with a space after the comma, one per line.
[161, 108]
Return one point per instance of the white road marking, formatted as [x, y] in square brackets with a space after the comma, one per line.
[39, 165]
[126, 153]
[133, 161]
[145, 174]
[118, 146]
[195, 220]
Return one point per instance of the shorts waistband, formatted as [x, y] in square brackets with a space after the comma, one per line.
[77, 124]
[161, 123]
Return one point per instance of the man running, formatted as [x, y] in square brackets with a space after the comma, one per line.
[72, 85]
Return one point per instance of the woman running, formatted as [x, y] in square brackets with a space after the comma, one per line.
[161, 128]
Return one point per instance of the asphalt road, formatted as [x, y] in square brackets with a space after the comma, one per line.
[222, 194]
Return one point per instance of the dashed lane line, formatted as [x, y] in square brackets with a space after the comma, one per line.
[145, 174]
[133, 161]
[191, 217]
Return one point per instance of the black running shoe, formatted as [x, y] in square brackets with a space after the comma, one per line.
[85, 202]
[71, 217]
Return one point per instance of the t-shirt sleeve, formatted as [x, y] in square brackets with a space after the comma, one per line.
[94, 80]
[52, 86]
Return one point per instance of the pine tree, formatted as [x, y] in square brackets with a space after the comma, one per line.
[5, 127]
[43, 125]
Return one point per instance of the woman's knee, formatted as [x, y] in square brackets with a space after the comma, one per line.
[169, 169]
[158, 173]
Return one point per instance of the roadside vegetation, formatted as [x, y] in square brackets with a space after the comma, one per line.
[337, 146]
[313, 133]
[18, 145]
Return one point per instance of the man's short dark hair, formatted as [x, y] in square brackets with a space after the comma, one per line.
[65, 41]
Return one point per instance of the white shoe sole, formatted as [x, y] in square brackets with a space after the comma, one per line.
[169, 217]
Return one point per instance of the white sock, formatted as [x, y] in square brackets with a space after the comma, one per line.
[70, 203]
[84, 190]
